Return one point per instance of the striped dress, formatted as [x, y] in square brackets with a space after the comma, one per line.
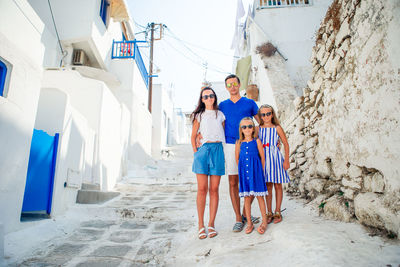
[274, 171]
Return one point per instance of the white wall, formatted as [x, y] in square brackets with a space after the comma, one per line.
[94, 100]
[133, 93]
[292, 30]
[18, 107]
[56, 115]
[77, 22]
[163, 120]
[180, 133]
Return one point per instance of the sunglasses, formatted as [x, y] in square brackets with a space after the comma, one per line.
[250, 126]
[229, 85]
[211, 96]
[266, 114]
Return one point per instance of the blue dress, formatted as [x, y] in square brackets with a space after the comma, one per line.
[274, 171]
[251, 176]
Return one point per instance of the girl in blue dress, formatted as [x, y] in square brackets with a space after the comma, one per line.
[275, 170]
[250, 159]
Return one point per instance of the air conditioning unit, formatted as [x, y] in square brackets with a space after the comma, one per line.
[79, 57]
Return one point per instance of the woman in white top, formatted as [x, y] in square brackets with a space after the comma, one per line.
[209, 157]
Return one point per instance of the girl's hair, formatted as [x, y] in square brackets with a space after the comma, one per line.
[241, 135]
[275, 120]
[201, 107]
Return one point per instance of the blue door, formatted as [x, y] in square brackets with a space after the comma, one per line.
[41, 170]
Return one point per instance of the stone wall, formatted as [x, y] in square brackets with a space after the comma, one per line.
[345, 135]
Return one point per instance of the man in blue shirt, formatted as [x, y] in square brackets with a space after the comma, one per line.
[235, 109]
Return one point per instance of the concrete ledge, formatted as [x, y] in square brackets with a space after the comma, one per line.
[90, 186]
[94, 196]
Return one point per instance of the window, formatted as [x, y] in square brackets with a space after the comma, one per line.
[3, 76]
[104, 10]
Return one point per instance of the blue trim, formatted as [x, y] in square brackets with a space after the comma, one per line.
[130, 49]
[53, 171]
[103, 11]
[3, 75]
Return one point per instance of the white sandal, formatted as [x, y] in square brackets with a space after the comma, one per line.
[212, 233]
[201, 234]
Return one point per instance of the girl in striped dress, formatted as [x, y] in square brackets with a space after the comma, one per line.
[275, 171]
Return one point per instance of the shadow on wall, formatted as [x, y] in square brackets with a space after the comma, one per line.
[138, 155]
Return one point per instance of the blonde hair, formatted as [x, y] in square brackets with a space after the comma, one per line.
[241, 135]
[275, 120]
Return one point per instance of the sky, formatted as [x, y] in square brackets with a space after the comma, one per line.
[198, 32]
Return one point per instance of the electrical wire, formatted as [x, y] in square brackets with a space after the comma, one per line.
[207, 49]
[213, 67]
[64, 54]
[202, 64]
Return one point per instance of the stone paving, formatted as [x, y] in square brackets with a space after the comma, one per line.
[154, 223]
[144, 226]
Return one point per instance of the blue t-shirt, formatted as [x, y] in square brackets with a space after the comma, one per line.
[234, 113]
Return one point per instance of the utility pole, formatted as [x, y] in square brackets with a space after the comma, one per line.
[152, 29]
[151, 66]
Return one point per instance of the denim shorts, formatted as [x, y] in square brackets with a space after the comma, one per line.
[209, 159]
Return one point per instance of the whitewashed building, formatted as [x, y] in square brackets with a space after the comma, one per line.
[74, 91]
[290, 26]
[163, 116]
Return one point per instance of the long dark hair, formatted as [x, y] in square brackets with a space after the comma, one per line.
[201, 106]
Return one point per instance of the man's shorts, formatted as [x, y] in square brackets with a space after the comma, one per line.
[231, 166]
[209, 159]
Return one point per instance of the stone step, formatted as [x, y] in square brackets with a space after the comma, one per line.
[90, 186]
[94, 196]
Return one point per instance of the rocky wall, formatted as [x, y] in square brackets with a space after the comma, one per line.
[345, 135]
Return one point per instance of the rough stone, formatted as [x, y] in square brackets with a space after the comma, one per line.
[124, 236]
[352, 183]
[310, 143]
[103, 262]
[371, 210]
[377, 183]
[343, 32]
[133, 225]
[348, 193]
[339, 167]
[336, 209]
[111, 251]
[315, 185]
[355, 115]
[354, 171]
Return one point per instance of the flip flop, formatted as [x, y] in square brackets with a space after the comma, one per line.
[202, 233]
[261, 229]
[238, 227]
[249, 229]
[253, 219]
[212, 232]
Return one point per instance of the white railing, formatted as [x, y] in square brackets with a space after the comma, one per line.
[283, 3]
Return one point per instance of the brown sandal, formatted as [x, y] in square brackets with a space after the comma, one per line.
[277, 217]
[270, 217]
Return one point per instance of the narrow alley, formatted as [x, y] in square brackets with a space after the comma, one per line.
[154, 223]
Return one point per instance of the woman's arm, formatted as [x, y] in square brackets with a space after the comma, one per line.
[237, 152]
[261, 152]
[282, 136]
[195, 128]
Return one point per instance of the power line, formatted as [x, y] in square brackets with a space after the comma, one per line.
[202, 64]
[207, 49]
[216, 68]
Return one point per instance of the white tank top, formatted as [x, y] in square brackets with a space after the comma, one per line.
[211, 127]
